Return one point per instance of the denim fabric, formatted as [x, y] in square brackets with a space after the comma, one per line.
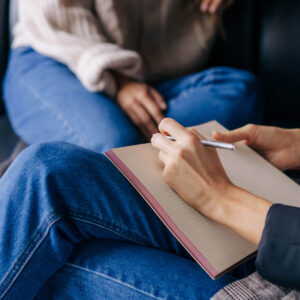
[55, 199]
[115, 270]
[46, 102]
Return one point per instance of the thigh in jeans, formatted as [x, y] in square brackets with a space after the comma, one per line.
[46, 102]
[53, 197]
[230, 96]
[117, 270]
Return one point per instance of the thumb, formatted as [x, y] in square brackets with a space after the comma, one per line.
[245, 133]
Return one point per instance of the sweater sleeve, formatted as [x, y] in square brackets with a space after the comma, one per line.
[278, 258]
[68, 31]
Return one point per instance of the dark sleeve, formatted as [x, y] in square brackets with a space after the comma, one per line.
[278, 258]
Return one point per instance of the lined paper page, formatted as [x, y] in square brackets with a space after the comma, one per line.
[219, 245]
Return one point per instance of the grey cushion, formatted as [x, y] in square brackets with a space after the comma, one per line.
[10, 145]
[4, 165]
[7, 138]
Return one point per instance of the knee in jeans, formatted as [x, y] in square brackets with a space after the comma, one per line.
[59, 160]
[48, 158]
[52, 171]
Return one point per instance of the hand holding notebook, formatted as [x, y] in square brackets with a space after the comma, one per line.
[212, 245]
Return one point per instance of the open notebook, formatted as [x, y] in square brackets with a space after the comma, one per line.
[216, 248]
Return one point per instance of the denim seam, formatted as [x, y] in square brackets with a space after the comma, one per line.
[112, 279]
[36, 240]
[42, 233]
[56, 113]
[74, 212]
[132, 236]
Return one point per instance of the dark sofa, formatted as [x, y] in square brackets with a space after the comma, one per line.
[261, 35]
[264, 36]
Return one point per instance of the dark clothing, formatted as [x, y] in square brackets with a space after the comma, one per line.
[278, 258]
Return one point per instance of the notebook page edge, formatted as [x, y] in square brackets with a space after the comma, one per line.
[164, 217]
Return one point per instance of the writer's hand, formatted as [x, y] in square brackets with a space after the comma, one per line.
[281, 147]
[212, 6]
[193, 171]
[143, 104]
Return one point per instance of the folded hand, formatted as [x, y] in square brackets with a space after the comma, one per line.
[143, 104]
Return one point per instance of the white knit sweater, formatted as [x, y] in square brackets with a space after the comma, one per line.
[143, 39]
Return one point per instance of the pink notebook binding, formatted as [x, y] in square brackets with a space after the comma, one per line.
[163, 215]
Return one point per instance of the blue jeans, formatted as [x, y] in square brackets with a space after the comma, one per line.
[46, 102]
[72, 227]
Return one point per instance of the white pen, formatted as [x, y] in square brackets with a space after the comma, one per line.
[208, 143]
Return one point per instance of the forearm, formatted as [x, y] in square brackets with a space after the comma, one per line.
[242, 212]
[275, 228]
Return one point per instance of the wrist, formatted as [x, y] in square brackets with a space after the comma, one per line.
[121, 80]
[296, 147]
[218, 204]
[240, 211]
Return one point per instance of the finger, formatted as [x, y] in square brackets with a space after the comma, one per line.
[159, 99]
[201, 137]
[197, 134]
[145, 119]
[137, 122]
[163, 157]
[159, 142]
[152, 108]
[173, 128]
[245, 133]
[205, 5]
[214, 6]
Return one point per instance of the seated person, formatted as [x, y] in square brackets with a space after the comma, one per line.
[102, 74]
[57, 195]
